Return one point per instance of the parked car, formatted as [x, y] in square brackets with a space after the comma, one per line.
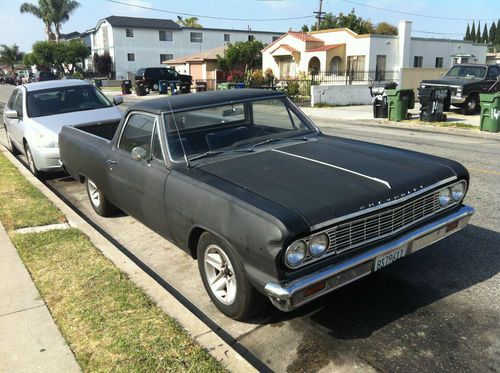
[36, 112]
[44, 76]
[151, 76]
[244, 182]
[9, 79]
[465, 82]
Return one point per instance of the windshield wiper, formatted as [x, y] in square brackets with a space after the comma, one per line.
[268, 141]
[206, 154]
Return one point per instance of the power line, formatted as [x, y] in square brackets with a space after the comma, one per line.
[204, 16]
[418, 15]
[439, 33]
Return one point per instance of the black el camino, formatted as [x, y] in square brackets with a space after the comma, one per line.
[268, 205]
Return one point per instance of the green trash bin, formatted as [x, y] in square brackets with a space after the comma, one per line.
[490, 112]
[400, 100]
[222, 86]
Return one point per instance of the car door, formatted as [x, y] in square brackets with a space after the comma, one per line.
[137, 186]
[16, 126]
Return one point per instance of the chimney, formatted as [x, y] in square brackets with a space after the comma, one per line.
[404, 43]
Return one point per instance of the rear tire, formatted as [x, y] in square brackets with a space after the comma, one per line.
[98, 200]
[225, 279]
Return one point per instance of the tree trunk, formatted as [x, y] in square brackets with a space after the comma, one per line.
[58, 32]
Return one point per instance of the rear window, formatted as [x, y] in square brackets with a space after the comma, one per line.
[65, 100]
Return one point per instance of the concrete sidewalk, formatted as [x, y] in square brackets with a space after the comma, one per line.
[29, 339]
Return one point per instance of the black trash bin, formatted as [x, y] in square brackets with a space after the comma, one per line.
[140, 88]
[201, 86]
[379, 96]
[432, 104]
[184, 87]
[126, 87]
[98, 83]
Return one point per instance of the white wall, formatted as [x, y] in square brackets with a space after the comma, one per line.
[341, 95]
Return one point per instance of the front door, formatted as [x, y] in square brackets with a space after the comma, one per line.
[15, 126]
[138, 186]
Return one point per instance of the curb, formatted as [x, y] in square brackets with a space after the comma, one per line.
[197, 329]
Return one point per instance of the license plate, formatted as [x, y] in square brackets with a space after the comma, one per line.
[389, 258]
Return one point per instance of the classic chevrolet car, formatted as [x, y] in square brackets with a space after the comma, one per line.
[244, 182]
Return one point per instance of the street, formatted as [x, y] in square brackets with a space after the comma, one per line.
[437, 310]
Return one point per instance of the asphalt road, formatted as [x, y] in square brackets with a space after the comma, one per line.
[437, 310]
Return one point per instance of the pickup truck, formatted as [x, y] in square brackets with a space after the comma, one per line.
[244, 182]
[152, 75]
[465, 82]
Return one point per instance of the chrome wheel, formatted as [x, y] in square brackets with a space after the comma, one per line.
[220, 274]
[94, 194]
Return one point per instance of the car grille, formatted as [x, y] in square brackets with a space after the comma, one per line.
[382, 224]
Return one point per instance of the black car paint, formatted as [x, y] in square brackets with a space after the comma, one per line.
[258, 202]
[151, 76]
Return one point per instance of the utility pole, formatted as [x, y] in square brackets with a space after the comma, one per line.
[319, 14]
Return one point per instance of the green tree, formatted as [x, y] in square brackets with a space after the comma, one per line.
[61, 10]
[62, 56]
[304, 28]
[384, 28]
[242, 56]
[484, 37]
[473, 32]
[467, 33]
[10, 55]
[497, 35]
[103, 63]
[42, 11]
[189, 22]
[493, 33]
[478, 33]
[350, 21]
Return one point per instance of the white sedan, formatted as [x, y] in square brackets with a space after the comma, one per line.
[36, 112]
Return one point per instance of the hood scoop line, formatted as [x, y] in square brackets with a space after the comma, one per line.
[333, 166]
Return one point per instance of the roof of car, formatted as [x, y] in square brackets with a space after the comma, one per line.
[38, 86]
[202, 99]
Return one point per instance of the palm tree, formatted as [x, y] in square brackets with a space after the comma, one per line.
[42, 11]
[10, 55]
[189, 22]
[61, 10]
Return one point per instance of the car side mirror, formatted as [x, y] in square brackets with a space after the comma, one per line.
[139, 154]
[117, 100]
[12, 114]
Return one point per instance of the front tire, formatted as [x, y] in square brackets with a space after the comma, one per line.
[471, 104]
[98, 200]
[31, 161]
[225, 279]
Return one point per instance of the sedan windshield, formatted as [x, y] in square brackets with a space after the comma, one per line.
[65, 100]
[467, 72]
[236, 128]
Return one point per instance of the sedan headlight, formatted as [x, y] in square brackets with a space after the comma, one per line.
[458, 191]
[444, 197]
[318, 245]
[45, 140]
[296, 253]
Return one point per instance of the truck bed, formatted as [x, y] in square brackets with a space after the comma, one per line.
[105, 130]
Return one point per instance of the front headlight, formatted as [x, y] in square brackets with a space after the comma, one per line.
[458, 191]
[444, 197]
[318, 245]
[459, 92]
[44, 140]
[296, 253]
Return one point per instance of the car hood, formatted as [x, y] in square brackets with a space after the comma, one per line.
[329, 177]
[451, 81]
[55, 123]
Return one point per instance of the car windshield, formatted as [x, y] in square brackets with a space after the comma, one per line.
[65, 100]
[467, 72]
[233, 127]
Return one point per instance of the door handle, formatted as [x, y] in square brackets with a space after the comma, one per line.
[110, 161]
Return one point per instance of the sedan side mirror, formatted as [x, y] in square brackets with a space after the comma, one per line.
[12, 114]
[117, 100]
[139, 154]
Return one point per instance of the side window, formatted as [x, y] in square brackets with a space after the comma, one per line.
[138, 132]
[157, 152]
[18, 104]
[493, 73]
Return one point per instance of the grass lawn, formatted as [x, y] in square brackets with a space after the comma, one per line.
[108, 322]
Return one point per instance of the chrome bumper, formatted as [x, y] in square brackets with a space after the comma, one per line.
[291, 295]
[457, 100]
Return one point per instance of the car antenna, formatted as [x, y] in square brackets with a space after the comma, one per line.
[179, 134]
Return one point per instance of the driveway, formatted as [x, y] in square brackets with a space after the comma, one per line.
[437, 310]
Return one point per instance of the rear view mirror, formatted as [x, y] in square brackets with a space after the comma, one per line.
[233, 111]
[12, 114]
[139, 154]
[117, 100]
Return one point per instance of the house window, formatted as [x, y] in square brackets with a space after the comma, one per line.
[439, 61]
[275, 38]
[417, 61]
[129, 32]
[356, 68]
[227, 38]
[166, 57]
[131, 57]
[251, 38]
[196, 37]
[165, 35]
[380, 67]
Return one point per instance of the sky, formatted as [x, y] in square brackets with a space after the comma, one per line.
[25, 29]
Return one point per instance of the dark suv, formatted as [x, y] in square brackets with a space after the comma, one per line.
[43, 76]
[151, 76]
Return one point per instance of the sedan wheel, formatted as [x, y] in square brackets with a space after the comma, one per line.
[225, 279]
[31, 162]
[97, 199]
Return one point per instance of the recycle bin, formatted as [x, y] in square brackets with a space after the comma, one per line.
[184, 87]
[126, 87]
[239, 85]
[162, 87]
[400, 100]
[201, 86]
[222, 86]
[432, 103]
[140, 88]
[490, 112]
